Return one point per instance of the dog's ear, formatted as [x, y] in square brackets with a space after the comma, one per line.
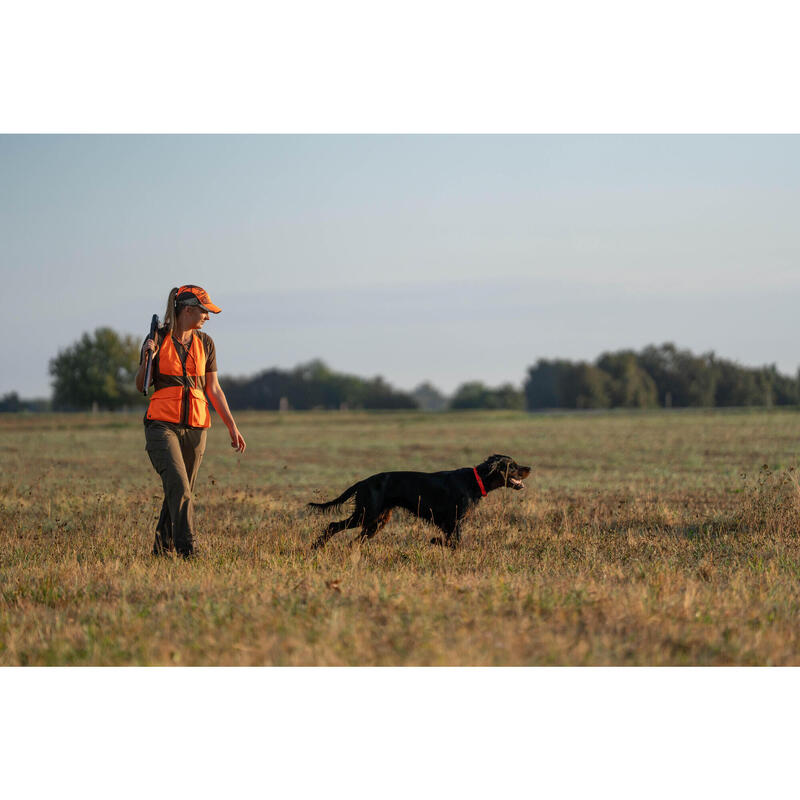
[499, 464]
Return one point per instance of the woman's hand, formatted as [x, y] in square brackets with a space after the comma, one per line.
[237, 440]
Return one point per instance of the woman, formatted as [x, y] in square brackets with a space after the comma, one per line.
[184, 371]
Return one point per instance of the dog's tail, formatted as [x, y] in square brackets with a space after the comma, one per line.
[342, 498]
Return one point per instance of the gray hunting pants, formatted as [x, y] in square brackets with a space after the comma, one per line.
[176, 454]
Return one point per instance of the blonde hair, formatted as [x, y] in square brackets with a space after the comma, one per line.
[171, 312]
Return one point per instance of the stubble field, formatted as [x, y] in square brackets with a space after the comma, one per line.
[659, 538]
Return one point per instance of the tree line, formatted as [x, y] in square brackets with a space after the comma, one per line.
[312, 385]
[656, 376]
[98, 370]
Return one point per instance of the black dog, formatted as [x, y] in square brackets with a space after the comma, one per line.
[443, 498]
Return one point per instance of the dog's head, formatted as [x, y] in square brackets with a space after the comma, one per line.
[503, 471]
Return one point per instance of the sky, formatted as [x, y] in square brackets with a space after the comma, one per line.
[441, 258]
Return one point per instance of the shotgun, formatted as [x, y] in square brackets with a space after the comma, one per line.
[148, 371]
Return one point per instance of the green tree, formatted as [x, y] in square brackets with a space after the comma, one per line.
[682, 378]
[96, 369]
[656, 375]
[586, 386]
[738, 386]
[786, 390]
[543, 387]
[631, 386]
[429, 398]
[10, 402]
[477, 395]
[470, 395]
[313, 385]
[508, 396]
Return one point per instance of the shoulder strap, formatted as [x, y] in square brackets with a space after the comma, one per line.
[203, 337]
[161, 334]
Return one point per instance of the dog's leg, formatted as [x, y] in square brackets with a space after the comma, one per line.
[452, 534]
[371, 528]
[367, 532]
[333, 528]
[438, 540]
[453, 538]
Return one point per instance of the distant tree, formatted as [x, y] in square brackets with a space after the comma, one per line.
[508, 397]
[477, 395]
[470, 395]
[746, 386]
[586, 386]
[429, 398]
[736, 386]
[566, 384]
[37, 404]
[660, 374]
[313, 385]
[543, 386]
[785, 390]
[377, 394]
[681, 377]
[630, 386]
[96, 369]
[10, 402]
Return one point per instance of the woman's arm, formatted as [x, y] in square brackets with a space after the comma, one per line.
[217, 397]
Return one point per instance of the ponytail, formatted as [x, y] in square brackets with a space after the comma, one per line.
[171, 312]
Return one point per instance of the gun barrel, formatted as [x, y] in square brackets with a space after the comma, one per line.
[148, 370]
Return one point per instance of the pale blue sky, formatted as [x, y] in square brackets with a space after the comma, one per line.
[441, 258]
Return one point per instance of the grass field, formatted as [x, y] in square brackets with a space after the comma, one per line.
[654, 538]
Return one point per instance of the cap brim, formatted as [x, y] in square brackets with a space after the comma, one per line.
[210, 307]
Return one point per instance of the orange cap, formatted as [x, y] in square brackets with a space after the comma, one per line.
[191, 295]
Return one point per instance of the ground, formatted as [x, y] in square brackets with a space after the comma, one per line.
[643, 538]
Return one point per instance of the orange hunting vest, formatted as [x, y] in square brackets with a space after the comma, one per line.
[179, 391]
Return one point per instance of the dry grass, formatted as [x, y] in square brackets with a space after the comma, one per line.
[651, 538]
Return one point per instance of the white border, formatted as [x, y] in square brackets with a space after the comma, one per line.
[432, 66]
[400, 733]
